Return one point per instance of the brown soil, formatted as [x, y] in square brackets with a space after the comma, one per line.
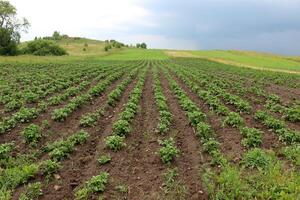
[60, 130]
[82, 164]
[229, 137]
[56, 128]
[190, 160]
[137, 166]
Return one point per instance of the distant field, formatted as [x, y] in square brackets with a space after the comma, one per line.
[137, 54]
[244, 58]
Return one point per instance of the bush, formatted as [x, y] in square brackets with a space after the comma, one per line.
[42, 47]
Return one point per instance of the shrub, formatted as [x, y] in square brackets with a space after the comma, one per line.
[42, 47]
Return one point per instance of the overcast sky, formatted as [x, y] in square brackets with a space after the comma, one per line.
[264, 25]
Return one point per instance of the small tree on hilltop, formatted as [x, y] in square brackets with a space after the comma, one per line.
[143, 45]
[56, 35]
[10, 28]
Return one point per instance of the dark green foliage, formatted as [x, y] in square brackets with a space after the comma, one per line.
[32, 134]
[115, 142]
[256, 158]
[233, 119]
[168, 151]
[121, 128]
[252, 137]
[42, 47]
[32, 192]
[95, 185]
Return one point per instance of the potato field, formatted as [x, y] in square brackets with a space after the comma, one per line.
[180, 128]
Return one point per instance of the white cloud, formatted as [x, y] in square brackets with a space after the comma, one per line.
[79, 18]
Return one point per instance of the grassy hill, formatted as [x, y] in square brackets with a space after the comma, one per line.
[82, 46]
[83, 49]
[249, 59]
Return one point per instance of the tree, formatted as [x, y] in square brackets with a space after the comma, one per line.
[143, 45]
[56, 35]
[138, 45]
[10, 28]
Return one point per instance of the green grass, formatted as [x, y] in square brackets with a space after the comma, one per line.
[93, 53]
[137, 54]
[251, 58]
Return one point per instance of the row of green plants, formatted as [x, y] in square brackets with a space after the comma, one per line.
[90, 119]
[215, 87]
[96, 184]
[259, 76]
[35, 88]
[165, 116]
[121, 128]
[197, 119]
[61, 114]
[17, 170]
[290, 113]
[62, 148]
[273, 102]
[21, 116]
[285, 134]
[229, 182]
[261, 168]
[252, 137]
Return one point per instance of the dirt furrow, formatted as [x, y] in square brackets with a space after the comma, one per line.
[229, 137]
[190, 160]
[82, 164]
